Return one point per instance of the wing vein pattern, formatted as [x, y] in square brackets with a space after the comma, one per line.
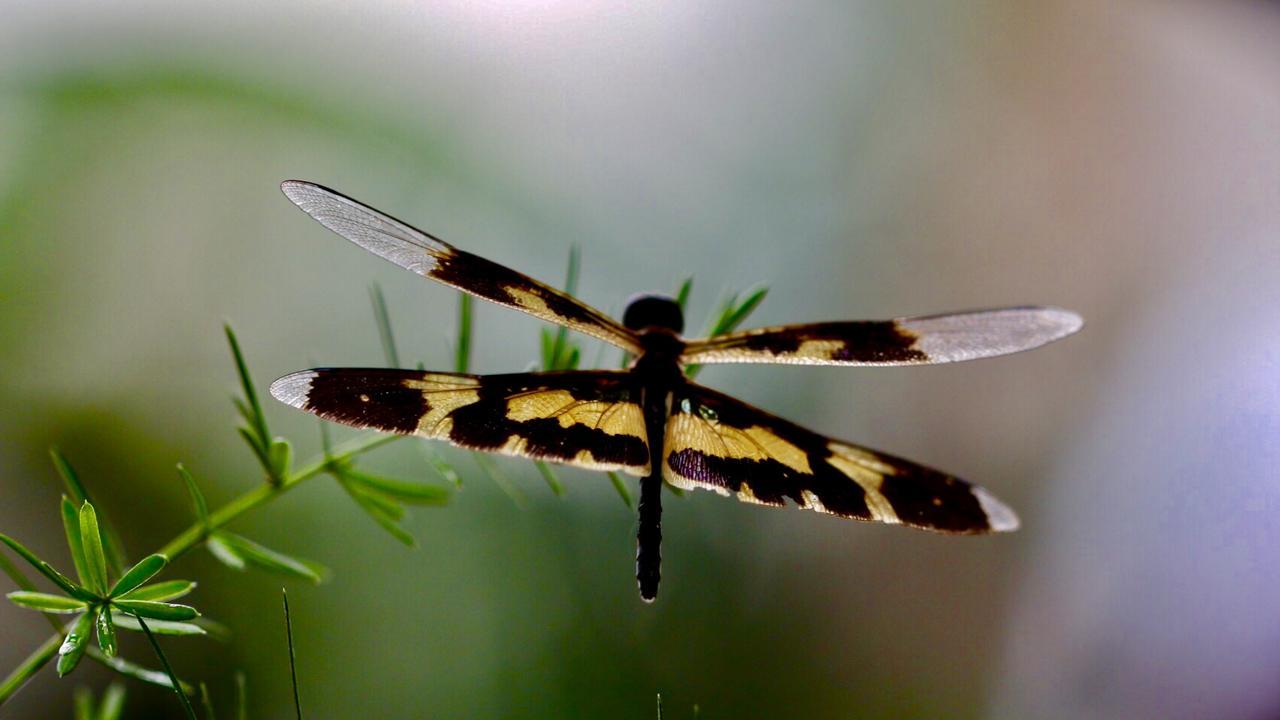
[431, 257]
[921, 340]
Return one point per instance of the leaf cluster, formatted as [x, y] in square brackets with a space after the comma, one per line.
[100, 604]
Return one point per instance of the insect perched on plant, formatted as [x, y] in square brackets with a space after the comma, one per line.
[650, 420]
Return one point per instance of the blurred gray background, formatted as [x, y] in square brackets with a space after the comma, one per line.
[864, 159]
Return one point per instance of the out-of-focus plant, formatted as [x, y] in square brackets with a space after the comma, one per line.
[107, 596]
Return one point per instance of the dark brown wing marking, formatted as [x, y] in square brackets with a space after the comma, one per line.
[904, 341]
[715, 442]
[431, 257]
[589, 419]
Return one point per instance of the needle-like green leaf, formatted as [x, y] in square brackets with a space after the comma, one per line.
[136, 671]
[146, 569]
[246, 413]
[79, 496]
[268, 559]
[547, 344]
[71, 524]
[403, 491]
[682, 295]
[729, 316]
[112, 706]
[94, 558]
[159, 627]
[251, 439]
[62, 581]
[438, 464]
[490, 468]
[198, 503]
[382, 319]
[462, 360]
[224, 552]
[621, 486]
[106, 634]
[16, 575]
[44, 602]
[293, 666]
[739, 313]
[206, 702]
[575, 264]
[69, 476]
[281, 456]
[385, 503]
[157, 610]
[73, 646]
[557, 354]
[242, 697]
[82, 704]
[173, 679]
[259, 422]
[549, 475]
[161, 591]
[384, 511]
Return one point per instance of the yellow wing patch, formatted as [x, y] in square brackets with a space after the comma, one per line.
[706, 436]
[611, 418]
[444, 394]
[869, 472]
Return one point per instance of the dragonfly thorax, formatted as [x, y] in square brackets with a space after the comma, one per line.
[653, 311]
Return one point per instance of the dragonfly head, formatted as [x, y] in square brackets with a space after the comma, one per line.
[646, 311]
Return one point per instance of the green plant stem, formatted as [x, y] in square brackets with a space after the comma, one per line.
[20, 579]
[186, 540]
[29, 667]
[164, 661]
[293, 664]
[14, 573]
[194, 535]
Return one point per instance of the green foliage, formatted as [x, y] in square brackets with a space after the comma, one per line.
[77, 639]
[731, 313]
[44, 602]
[462, 359]
[293, 660]
[620, 485]
[238, 553]
[384, 498]
[382, 318]
[274, 454]
[682, 295]
[558, 352]
[111, 544]
[168, 669]
[93, 598]
[198, 503]
[157, 626]
[110, 708]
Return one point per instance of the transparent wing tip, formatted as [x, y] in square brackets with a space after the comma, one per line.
[293, 389]
[301, 192]
[1061, 322]
[1000, 517]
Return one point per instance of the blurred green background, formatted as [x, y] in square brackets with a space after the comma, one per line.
[864, 159]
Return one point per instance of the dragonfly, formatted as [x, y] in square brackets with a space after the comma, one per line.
[650, 420]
